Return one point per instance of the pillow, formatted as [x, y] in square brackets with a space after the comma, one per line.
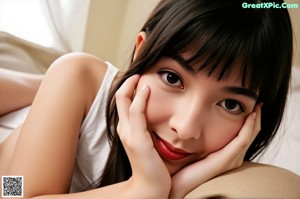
[252, 180]
[21, 55]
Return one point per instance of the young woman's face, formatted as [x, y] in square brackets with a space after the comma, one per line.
[190, 115]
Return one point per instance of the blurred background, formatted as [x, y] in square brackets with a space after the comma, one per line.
[41, 30]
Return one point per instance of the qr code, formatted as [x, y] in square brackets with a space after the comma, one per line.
[12, 186]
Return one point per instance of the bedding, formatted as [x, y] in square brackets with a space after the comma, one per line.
[21, 55]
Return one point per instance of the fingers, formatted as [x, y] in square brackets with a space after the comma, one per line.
[237, 148]
[230, 157]
[257, 125]
[251, 127]
[137, 114]
[132, 127]
[124, 97]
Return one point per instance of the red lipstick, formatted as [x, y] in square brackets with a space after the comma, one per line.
[168, 151]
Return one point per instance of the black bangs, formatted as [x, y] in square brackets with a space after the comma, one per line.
[220, 52]
[231, 39]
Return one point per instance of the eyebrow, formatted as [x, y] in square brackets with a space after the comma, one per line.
[242, 91]
[232, 89]
[179, 59]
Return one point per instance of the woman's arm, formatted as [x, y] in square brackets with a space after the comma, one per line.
[46, 147]
[122, 190]
[17, 89]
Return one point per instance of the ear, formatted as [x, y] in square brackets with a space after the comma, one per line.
[139, 43]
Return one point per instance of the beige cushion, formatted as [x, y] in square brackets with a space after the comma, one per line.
[252, 180]
[21, 55]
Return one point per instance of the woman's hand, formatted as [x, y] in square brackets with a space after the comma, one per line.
[150, 177]
[228, 158]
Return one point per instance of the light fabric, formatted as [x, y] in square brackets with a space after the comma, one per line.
[284, 150]
[21, 55]
[93, 147]
[59, 24]
[67, 21]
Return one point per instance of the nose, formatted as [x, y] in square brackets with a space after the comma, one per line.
[188, 120]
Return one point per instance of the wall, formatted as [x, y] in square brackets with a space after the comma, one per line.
[103, 28]
[295, 17]
[137, 11]
[113, 26]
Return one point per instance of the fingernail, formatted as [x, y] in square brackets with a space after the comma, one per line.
[254, 115]
[261, 104]
[144, 87]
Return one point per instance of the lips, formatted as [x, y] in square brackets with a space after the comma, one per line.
[167, 151]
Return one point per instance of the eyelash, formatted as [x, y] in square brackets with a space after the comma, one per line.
[241, 107]
[164, 74]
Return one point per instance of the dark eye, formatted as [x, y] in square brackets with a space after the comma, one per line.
[171, 78]
[232, 106]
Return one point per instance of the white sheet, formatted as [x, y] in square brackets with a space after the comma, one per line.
[11, 121]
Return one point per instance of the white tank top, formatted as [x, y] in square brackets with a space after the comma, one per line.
[93, 147]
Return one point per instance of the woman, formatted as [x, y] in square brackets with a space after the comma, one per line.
[195, 102]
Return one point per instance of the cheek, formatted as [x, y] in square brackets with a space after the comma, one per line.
[157, 107]
[217, 136]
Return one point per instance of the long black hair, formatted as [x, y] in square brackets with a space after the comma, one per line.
[216, 33]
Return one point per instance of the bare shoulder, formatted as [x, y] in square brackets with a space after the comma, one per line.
[55, 119]
[83, 71]
[84, 65]
[252, 180]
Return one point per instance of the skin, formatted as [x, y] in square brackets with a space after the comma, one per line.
[192, 128]
[145, 160]
[17, 85]
[73, 86]
[144, 119]
[74, 81]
